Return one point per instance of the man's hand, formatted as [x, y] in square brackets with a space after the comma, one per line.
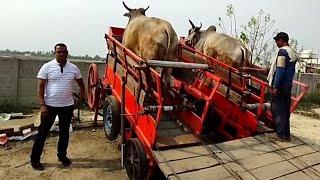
[274, 91]
[43, 108]
[79, 103]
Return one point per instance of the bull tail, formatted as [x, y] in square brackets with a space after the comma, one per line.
[168, 53]
[243, 57]
[252, 68]
[171, 49]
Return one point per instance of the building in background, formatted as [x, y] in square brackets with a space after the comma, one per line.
[309, 62]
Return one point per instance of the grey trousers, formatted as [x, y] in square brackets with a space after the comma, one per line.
[280, 109]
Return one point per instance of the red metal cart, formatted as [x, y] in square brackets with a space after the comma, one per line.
[232, 104]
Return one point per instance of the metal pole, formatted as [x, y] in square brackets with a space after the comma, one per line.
[159, 63]
[122, 109]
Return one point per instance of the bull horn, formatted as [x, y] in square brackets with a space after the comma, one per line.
[200, 25]
[146, 9]
[129, 9]
[193, 26]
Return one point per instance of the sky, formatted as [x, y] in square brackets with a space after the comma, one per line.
[37, 25]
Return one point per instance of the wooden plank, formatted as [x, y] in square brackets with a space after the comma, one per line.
[165, 142]
[274, 170]
[131, 62]
[285, 144]
[306, 161]
[186, 165]
[224, 158]
[119, 69]
[180, 153]
[260, 160]
[253, 157]
[132, 84]
[170, 132]
[167, 125]
[165, 117]
[142, 96]
[111, 62]
[237, 144]
[311, 172]
[262, 128]
[212, 173]
[249, 151]
[300, 150]
[295, 176]
[233, 96]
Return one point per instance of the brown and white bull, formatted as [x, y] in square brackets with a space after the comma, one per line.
[150, 38]
[219, 46]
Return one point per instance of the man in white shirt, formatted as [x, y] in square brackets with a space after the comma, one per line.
[55, 80]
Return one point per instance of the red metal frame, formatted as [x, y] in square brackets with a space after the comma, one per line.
[145, 126]
[236, 122]
[245, 122]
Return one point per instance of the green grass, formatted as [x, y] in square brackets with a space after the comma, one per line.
[308, 103]
[311, 100]
[7, 107]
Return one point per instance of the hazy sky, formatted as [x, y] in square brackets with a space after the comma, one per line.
[81, 24]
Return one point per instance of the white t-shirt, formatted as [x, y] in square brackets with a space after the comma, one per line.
[58, 89]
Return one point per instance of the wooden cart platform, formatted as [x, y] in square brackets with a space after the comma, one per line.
[258, 157]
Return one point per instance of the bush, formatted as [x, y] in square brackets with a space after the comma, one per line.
[8, 107]
[310, 100]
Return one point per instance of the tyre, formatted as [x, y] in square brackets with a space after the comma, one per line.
[135, 160]
[111, 117]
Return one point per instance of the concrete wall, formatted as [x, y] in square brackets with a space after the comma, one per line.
[18, 82]
[311, 79]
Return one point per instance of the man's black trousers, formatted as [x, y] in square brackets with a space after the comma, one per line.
[47, 120]
[281, 103]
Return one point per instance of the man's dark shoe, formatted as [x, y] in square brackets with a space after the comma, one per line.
[288, 138]
[37, 165]
[276, 137]
[65, 161]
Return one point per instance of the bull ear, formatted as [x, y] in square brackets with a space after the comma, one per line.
[192, 25]
[146, 9]
[126, 14]
[129, 9]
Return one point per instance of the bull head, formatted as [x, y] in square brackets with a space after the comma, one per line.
[194, 34]
[134, 12]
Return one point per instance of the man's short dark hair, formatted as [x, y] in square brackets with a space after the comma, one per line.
[282, 35]
[59, 44]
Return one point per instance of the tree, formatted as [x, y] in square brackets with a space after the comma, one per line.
[97, 57]
[256, 34]
[259, 31]
[230, 13]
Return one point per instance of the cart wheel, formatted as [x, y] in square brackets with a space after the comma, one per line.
[111, 117]
[93, 94]
[135, 159]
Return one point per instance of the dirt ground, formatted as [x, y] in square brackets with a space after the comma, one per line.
[92, 155]
[306, 128]
[96, 158]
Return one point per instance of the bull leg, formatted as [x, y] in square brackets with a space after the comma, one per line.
[211, 52]
[166, 80]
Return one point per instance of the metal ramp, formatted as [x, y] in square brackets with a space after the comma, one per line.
[258, 157]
